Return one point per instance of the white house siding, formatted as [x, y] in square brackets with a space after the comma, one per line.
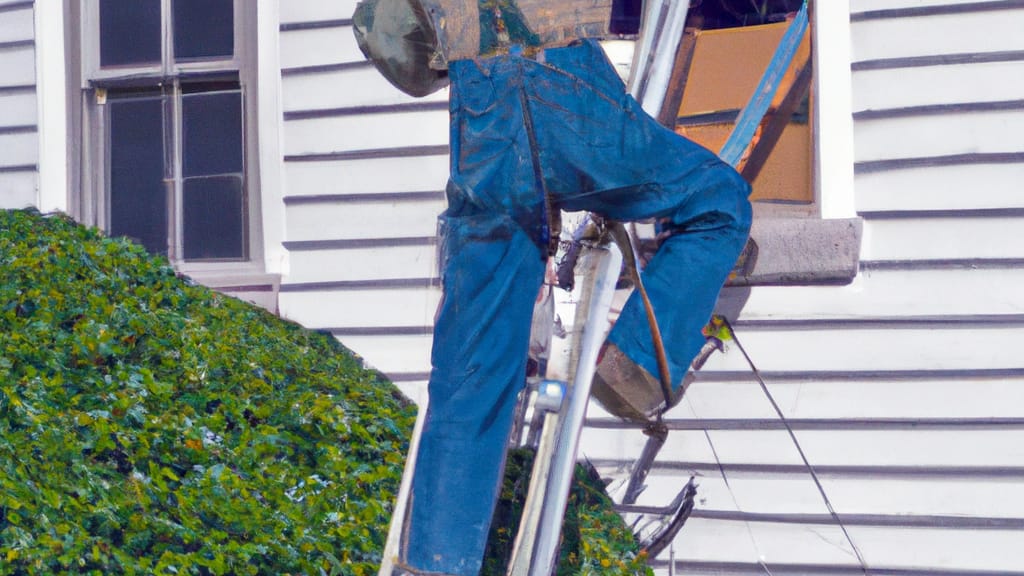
[364, 173]
[905, 388]
[19, 140]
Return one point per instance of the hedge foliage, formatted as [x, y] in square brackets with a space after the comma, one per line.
[152, 426]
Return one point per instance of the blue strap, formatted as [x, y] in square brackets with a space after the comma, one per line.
[762, 98]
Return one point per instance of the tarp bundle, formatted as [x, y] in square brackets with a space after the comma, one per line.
[400, 40]
[411, 41]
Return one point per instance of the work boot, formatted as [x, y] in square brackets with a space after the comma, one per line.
[624, 388]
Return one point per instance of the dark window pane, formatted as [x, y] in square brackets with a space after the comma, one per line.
[129, 32]
[214, 218]
[138, 201]
[212, 133]
[203, 28]
[626, 16]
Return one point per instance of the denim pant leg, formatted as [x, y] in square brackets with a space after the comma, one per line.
[601, 152]
[491, 275]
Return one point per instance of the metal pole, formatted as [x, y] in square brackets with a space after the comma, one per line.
[595, 327]
[655, 53]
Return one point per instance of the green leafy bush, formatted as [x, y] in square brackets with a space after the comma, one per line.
[152, 426]
[594, 538]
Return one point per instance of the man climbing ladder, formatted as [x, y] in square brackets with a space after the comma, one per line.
[538, 127]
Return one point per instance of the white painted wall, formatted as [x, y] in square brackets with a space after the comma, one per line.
[52, 88]
[19, 120]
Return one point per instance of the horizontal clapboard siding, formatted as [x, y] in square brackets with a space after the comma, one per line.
[951, 187]
[19, 142]
[939, 135]
[808, 548]
[18, 186]
[341, 134]
[938, 84]
[891, 292]
[380, 175]
[18, 58]
[928, 33]
[364, 168]
[16, 106]
[304, 88]
[302, 12]
[907, 236]
[374, 219]
[16, 23]
[904, 387]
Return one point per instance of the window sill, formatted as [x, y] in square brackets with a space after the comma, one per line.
[793, 246]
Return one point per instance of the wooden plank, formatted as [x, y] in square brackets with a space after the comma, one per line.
[319, 46]
[678, 79]
[407, 354]
[875, 448]
[19, 149]
[19, 189]
[19, 66]
[727, 65]
[371, 220]
[777, 123]
[294, 11]
[361, 308]
[401, 354]
[340, 134]
[380, 175]
[867, 5]
[840, 349]
[943, 135]
[897, 293]
[363, 264]
[17, 109]
[931, 35]
[849, 400]
[933, 238]
[17, 25]
[928, 551]
[942, 188]
[898, 88]
[362, 86]
[796, 494]
[933, 9]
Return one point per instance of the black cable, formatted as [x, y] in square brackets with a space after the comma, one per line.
[796, 443]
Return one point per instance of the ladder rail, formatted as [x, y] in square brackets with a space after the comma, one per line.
[536, 549]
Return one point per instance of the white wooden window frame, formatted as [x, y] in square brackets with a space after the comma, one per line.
[820, 241]
[96, 80]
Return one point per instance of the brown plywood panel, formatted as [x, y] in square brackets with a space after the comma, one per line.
[727, 65]
[787, 174]
[726, 69]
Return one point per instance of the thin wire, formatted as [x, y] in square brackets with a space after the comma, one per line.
[799, 449]
[735, 502]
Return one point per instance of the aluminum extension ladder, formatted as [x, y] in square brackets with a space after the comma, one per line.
[562, 396]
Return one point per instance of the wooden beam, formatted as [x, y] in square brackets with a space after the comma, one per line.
[677, 82]
[777, 124]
